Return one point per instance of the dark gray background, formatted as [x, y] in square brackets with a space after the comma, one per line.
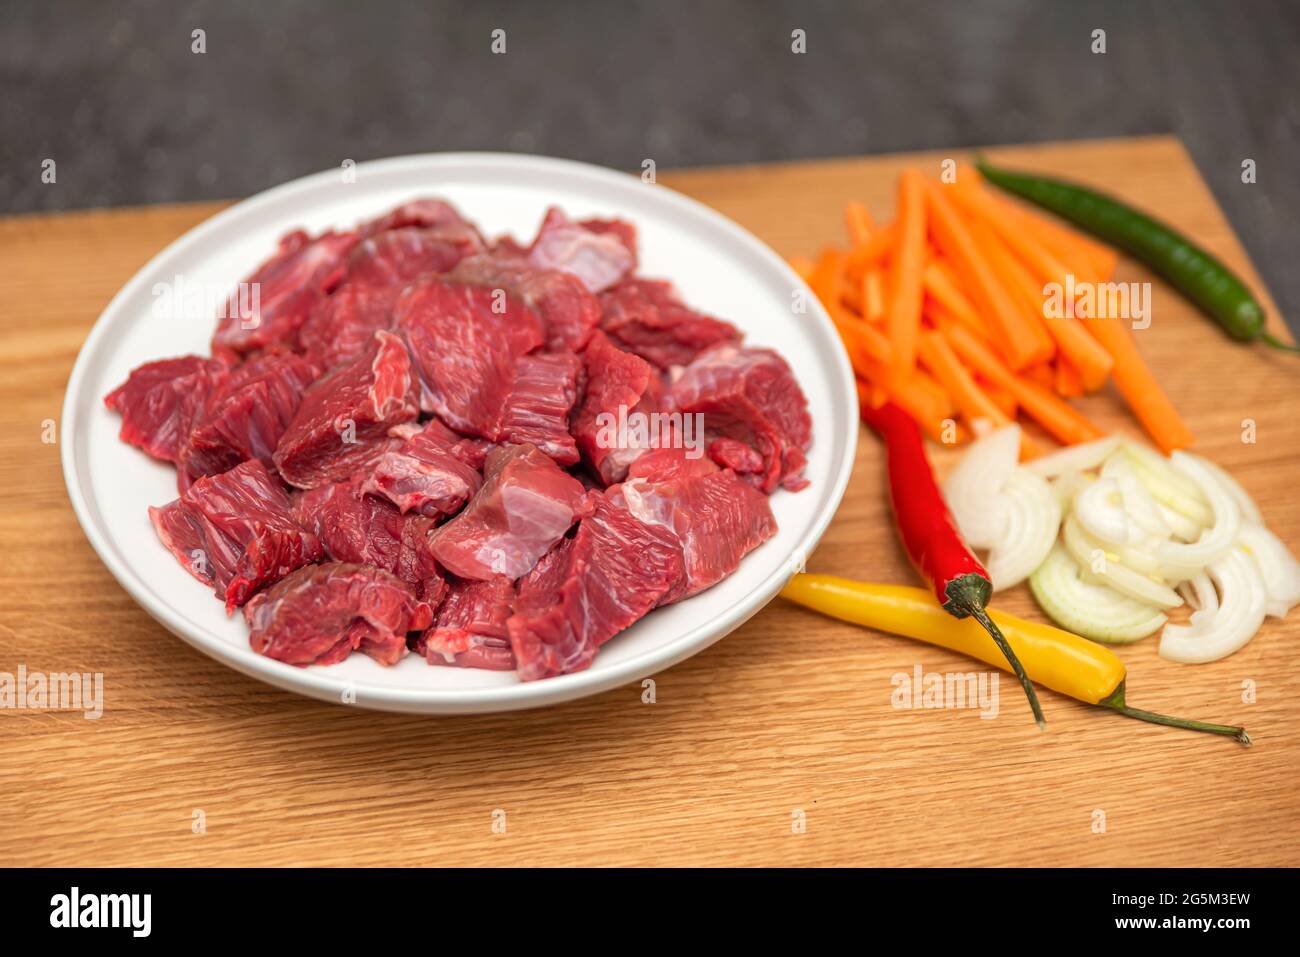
[113, 93]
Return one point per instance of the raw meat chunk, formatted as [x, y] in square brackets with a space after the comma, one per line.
[276, 299]
[469, 630]
[235, 531]
[645, 317]
[525, 506]
[620, 229]
[342, 324]
[399, 256]
[618, 384]
[159, 400]
[464, 350]
[567, 310]
[429, 212]
[320, 614]
[546, 387]
[416, 564]
[246, 414]
[750, 395]
[598, 257]
[735, 455]
[473, 452]
[668, 464]
[717, 518]
[352, 527]
[421, 476]
[343, 420]
[614, 570]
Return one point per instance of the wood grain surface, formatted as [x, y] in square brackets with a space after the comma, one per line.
[787, 719]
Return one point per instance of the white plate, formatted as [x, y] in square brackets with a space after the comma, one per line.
[717, 266]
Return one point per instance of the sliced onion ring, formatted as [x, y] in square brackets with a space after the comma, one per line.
[1074, 458]
[1212, 635]
[1033, 518]
[973, 489]
[1094, 611]
[1112, 571]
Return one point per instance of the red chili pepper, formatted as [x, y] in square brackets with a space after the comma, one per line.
[929, 535]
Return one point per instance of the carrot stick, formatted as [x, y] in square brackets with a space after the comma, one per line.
[1089, 257]
[1041, 373]
[922, 398]
[1023, 342]
[873, 295]
[1015, 279]
[1068, 383]
[940, 318]
[851, 296]
[875, 251]
[1035, 267]
[903, 319]
[863, 343]
[941, 285]
[1052, 413]
[999, 396]
[859, 222]
[1139, 387]
[937, 356]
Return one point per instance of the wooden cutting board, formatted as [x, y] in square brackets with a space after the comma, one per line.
[777, 746]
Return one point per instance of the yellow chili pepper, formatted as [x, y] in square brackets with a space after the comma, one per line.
[1057, 659]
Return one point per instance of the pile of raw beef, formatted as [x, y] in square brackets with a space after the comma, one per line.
[397, 445]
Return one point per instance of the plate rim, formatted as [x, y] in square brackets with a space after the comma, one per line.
[319, 684]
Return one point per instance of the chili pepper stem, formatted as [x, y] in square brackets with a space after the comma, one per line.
[980, 615]
[1276, 343]
[1117, 704]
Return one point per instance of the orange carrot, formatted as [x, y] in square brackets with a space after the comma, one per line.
[1139, 387]
[1015, 279]
[1052, 413]
[1041, 373]
[937, 356]
[1087, 256]
[924, 399]
[873, 295]
[863, 343]
[999, 396]
[1035, 267]
[859, 222]
[1023, 342]
[875, 251]
[903, 319]
[941, 285]
[940, 318]
[1068, 382]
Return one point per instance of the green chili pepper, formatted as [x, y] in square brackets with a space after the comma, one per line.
[1187, 267]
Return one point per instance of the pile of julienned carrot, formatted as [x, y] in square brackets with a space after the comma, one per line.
[943, 312]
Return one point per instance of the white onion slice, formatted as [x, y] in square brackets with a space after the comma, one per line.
[1182, 526]
[1074, 458]
[1112, 571]
[1182, 560]
[1277, 566]
[1066, 486]
[1169, 486]
[1249, 510]
[1100, 510]
[1139, 505]
[1033, 518]
[1199, 593]
[1215, 634]
[1094, 611]
[973, 489]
